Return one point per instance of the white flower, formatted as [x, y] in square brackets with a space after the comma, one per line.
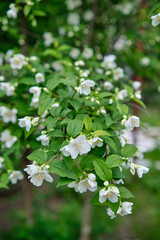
[1, 78]
[120, 43]
[117, 181]
[8, 115]
[48, 38]
[125, 8]
[88, 183]
[140, 169]
[88, 15]
[109, 62]
[44, 140]
[132, 122]
[145, 61]
[110, 213]
[25, 122]
[96, 141]
[17, 61]
[138, 94]
[35, 121]
[12, 12]
[37, 175]
[87, 53]
[79, 63]
[125, 208]
[57, 66]
[136, 85]
[35, 102]
[155, 20]
[73, 19]
[44, 114]
[1, 162]
[72, 4]
[122, 94]
[39, 78]
[77, 146]
[85, 87]
[7, 88]
[35, 90]
[108, 86]
[15, 176]
[9, 54]
[74, 53]
[118, 73]
[8, 138]
[111, 194]
[55, 105]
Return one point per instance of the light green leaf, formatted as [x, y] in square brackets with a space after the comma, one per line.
[114, 160]
[44, 106]
[102, 170]
[74, 127]
[88, 123]
[125, 193]
[128, 150]
[39, 156]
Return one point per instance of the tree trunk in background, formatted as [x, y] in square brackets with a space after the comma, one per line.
[86, 218]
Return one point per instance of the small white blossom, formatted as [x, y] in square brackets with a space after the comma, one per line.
[35, 90]
[117, 181]
[48, 39]
[38, 175]
[12, 12]
[145, 61]
[132, 122]
[110, 213]
[1, 162]
[108, 86]
[73, 19]
[88, 183]
[39, 78]
[85, 87]
[138, 94]
[35, 121]
[96, 141]
[87, 53]
[155, 20]
[122, 94]
[74, 53]
[109, 62]
[8, 115]
[17, 61]
[72, 4]
[140, 169]
[7, 88]
[57, 66]
[44, 140]
[88, 15]
[7, 138]
[35, 102]
[76, 146]
[15, 176]
[125, 208]
[118, 73]
[25, 122]
[111, 194]
[136, 85]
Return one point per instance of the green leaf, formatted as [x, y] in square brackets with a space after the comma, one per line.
[30, 132]
[114, 160]
[50, 122]
[116, 173]
[52, 52]
[59, 167]
[55, 111]
[39, 156]
[65, 112]
[27, 81]
[76, 104]
[74, 127]
[123, 108]
[125, 193]
[88, 123]
[110, 142]
[56, 133]
[87, 161]
[105, 94]
[4, 178]
[68, 161]
[7, 162]
[63, 181]
[39, 13]
[128, 150]
[109, 121]
[102, 170]
[137, 100]
[100, 133]
[44, 106]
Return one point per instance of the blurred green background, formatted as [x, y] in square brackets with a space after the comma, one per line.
[28, 213]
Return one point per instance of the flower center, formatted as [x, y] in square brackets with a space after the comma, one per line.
[109, 194]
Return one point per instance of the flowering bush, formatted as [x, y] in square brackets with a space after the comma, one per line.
[72, 103]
